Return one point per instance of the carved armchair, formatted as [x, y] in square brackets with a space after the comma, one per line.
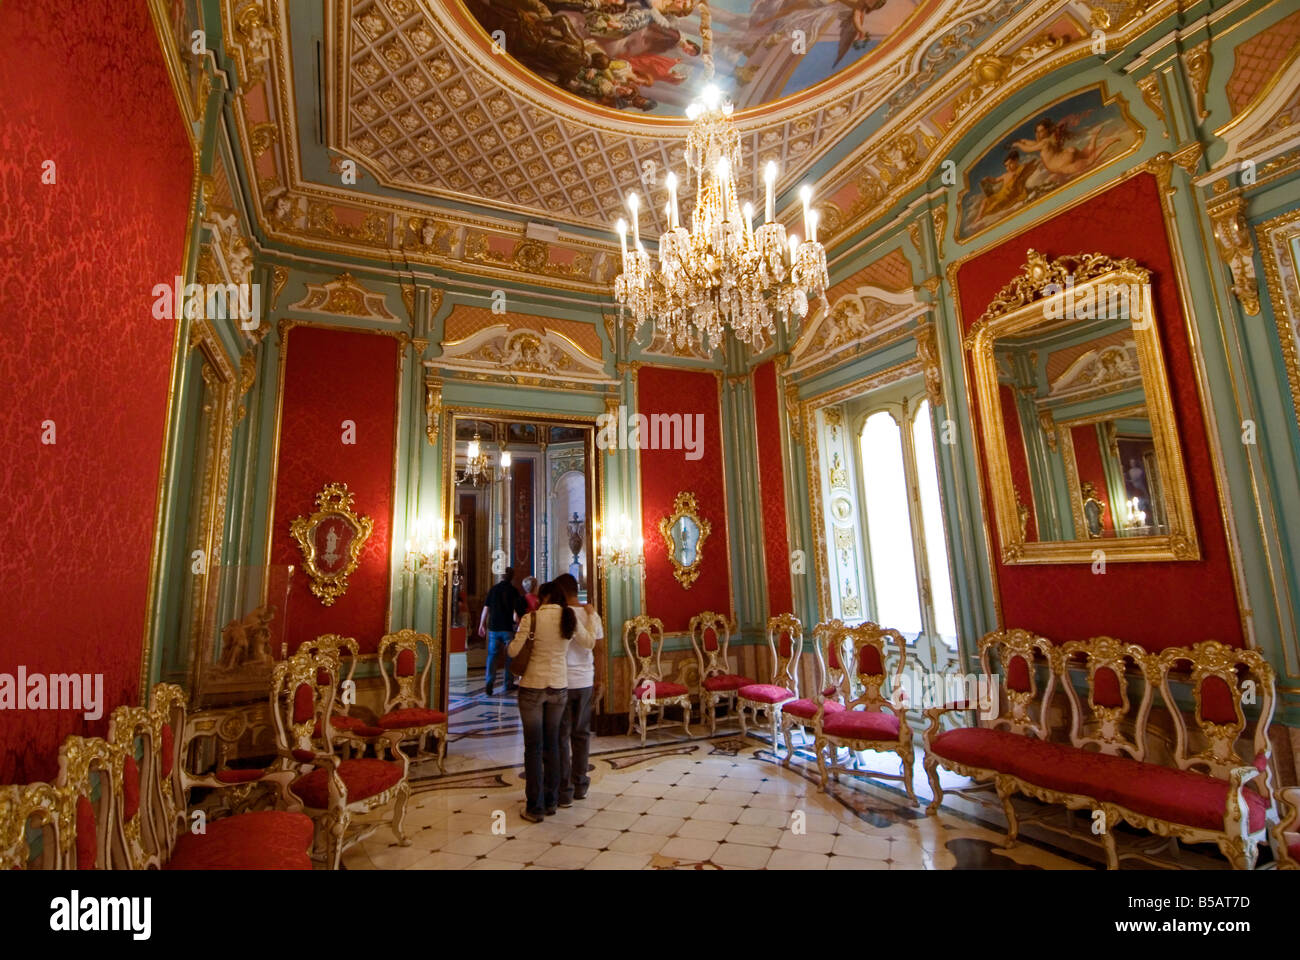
[710, 636]
[1286, 833]
[137, 842]
[406, 692]
[784, 643]
[33, 810]
[832, 680]
[643, 642]
[190, 840]
[331, 790]
[872, 720]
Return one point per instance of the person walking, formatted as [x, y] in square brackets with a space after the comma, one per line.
[543, 693]
[586, 679]
[502, 608]
[530, 593]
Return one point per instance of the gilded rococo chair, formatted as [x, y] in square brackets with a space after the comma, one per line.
[876, 718]
[29, 811]
[710, 636]
[643, 642]
[832, 679]
[406, 692]
[330, 789]
[784, 644]
[136, 839]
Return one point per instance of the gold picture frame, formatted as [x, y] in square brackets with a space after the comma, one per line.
[684, 555]
[331, 540]
[1028, 302]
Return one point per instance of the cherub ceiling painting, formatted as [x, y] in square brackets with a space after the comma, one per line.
[1045, 152]
[652, 56]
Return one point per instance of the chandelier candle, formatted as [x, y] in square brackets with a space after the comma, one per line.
[721, 274]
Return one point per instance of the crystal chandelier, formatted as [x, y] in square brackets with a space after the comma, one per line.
[722, 273]
[478, 468]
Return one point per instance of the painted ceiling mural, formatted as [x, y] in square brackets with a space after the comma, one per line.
[651, 55]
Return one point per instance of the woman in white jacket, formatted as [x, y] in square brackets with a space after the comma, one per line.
[543, 694]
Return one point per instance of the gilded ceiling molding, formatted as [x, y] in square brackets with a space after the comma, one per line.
[1198, 62]
[279, 277]
[345, 297]
[1236, 246]
[1151, 96]
[990, 71]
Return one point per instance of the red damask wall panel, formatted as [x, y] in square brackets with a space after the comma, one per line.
[88, 90]
[665, 473]
[331, 376]
[1154, 604]
[771, 478]
[1017, 456]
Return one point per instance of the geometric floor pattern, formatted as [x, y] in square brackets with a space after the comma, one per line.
[714, 803]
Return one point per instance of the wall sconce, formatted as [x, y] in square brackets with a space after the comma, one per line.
[428, 555]
[478, 466]
[617, 551]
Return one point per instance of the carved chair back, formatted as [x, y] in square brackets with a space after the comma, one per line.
[302, 701]
[867, 648]
[828, 650]
[1223, 681]
[405, 683]
[1021, 708]
[167, 706]
[89, 792]
[785, 643]
[643, 642]
[33, 828]
[340, 647]
[1107, 720]
[710, 636]
[137, 836]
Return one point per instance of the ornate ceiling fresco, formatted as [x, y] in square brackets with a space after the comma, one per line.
[652, 55]
[457, 144]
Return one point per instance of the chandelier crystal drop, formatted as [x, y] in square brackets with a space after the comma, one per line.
[723, 273]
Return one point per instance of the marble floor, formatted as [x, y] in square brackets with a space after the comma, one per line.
[724, 802]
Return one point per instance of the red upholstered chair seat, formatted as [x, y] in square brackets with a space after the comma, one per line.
[805, 709]
[765, 693]
[263, 840]
[1180, 796]
[362, 778]
[239, 776]
[659, 690]
[862, 725]
[1293, 848]
[346, 723]
[727, 681]
[411, 717]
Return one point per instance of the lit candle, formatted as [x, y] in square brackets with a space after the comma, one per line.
[505, 459]
[769, 176]
[748, 211]
[811, 220]
[621, 227]
[805, 194]
[634, 204]
[794, 246]
[672, 200]
[472, 450]
[451, 547]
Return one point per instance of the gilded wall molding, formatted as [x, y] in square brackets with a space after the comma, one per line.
[344, 296]
[1236, 246]
[1279, 238]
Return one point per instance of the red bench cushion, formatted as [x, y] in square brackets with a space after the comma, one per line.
[862, 725]
[765, 693]
[411, 717]
[362, 778]
[805, 709]
[1180, 796]
[728, 681]
[263, 840]
[658, 690]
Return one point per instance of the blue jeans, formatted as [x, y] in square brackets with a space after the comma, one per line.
[575, 744]
[497, 641]
[541, 711]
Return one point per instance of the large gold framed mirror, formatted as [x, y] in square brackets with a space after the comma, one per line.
[684, 532]
[1076, 417]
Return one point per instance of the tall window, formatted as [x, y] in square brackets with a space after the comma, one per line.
[907, 556]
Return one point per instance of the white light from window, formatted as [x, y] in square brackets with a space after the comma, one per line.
[889, 530]
[936, 549]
